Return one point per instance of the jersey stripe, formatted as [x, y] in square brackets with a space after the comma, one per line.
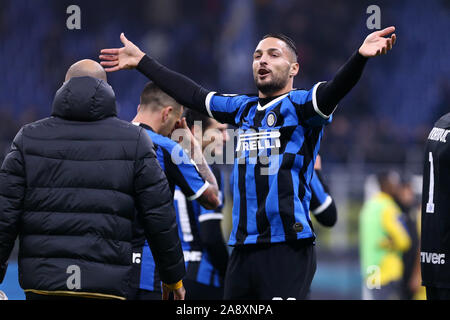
[262, 189]
[241, 233]
[286, 191]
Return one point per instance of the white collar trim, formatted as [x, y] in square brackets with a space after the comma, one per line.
[271, 103]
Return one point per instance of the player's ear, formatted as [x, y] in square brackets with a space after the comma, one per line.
[295, 67]
[166, 113]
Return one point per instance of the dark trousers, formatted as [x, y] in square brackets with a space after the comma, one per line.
[35, 296]
[434, 293]
[199, 291]
[141, 294]
[264, 272]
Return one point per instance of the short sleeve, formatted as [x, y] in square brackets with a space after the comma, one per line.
[225, 107]
[308, 110]
[183, 172]
[216, 214]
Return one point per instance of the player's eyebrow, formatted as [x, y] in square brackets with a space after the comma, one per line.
[270, 50]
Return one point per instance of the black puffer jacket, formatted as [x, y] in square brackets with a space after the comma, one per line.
[69, 188]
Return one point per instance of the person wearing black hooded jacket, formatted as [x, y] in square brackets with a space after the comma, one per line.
[69, 188]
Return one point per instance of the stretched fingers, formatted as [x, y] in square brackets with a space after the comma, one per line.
[109, 63]
[386, 31]
[109, 57]
[112, 69]
[389, 44]
[393, 38]
[114, 51]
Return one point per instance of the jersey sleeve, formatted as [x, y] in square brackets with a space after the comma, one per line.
[225, 107]
[320, 198]
[308, 110]
[216, 214]
[183, 171]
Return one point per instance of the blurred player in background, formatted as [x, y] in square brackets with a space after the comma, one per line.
[435, 234]
[411, 280]
[200, 229]
[383, 240]
[280, 131]
[159, 115]
[70, 187]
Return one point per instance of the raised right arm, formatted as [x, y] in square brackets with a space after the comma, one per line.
[181, 88]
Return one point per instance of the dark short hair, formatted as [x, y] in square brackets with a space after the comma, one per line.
[290, 43]
[387, 175]
[153, 97]
[192, 116]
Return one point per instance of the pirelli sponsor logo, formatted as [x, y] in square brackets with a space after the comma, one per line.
[432, 257]
[258, 141]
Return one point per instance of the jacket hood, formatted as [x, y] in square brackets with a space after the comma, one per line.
[85, 99]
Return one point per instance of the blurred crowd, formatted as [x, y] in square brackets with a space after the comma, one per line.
[211, 41]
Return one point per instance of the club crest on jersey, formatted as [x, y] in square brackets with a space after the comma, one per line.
[258, 141]
[271, 119]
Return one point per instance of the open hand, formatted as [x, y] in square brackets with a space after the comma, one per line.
[178, 294]
[127, 57]
[376, 44]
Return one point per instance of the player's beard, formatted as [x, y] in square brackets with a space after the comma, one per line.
[278, 82]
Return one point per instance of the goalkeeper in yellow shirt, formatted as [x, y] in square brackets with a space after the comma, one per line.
[383, 239]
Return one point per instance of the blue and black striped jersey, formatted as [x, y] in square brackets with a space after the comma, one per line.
[190, 215]
[182, 173]
[277, 145]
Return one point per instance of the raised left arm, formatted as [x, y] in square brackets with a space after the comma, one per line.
[330, 93]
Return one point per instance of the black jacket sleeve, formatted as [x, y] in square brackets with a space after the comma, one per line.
[176, 85]
[155, 205]
[12, 193]
[330, 93]
[211, 237]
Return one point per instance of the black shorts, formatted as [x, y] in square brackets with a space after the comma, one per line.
[434, 293]
[264, 272]
[198, 291]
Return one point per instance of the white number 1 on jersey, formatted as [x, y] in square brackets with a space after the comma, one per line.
[430, 204]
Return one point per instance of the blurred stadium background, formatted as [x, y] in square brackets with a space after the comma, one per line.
[381, 124]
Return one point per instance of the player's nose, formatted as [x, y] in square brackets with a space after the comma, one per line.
[263, 60]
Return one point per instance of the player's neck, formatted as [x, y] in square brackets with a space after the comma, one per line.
[149, 121]
[286, 89]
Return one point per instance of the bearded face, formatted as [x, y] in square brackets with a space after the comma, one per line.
[272, 66]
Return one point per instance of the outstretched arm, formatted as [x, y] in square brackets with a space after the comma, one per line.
[183, 89]
[330, 93]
